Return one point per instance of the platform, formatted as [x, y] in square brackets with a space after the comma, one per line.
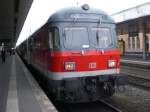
[19, 92]
[138, 62]
[136, 67]
[135, 60]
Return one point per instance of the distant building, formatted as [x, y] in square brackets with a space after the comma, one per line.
[133, 26]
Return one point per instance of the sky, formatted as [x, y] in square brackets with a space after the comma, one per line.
[42, 9]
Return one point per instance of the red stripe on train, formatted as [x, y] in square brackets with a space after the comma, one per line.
[82, 59]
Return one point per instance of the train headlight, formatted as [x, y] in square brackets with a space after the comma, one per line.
[70, 65]
[112, 63]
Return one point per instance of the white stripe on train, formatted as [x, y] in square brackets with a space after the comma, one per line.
[63, 75]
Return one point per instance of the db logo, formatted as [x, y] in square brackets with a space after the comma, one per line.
[92, 65]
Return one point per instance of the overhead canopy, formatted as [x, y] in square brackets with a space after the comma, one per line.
[7, 19]
[132, 13]
[12, 16]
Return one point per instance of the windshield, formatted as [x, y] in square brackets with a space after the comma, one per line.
[101, 37]
[76, 38]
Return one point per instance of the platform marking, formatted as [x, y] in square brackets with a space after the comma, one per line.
[44, 102]
[12, 99]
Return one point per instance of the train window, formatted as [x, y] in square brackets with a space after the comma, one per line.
[76, 38]
[50, 40]
[102, 37]
[54, 41]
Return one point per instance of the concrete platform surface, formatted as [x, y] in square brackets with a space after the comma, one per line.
[138, 62]
[19, 92]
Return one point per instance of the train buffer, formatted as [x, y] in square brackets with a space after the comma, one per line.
[19, 92]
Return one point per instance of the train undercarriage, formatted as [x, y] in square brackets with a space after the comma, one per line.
[85, 89]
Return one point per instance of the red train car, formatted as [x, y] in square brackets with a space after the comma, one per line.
[76, 52]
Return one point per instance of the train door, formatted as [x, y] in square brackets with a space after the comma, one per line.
[44, 51]
[29, 51]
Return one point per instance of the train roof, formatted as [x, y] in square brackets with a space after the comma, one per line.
[83, 13]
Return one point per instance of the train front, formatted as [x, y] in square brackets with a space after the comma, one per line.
[85, 62]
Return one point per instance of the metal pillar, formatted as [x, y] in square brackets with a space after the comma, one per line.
[142, 35]
[144, 41]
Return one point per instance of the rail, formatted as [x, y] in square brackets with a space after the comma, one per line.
[111, 106]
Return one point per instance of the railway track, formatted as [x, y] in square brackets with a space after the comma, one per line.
[139, 77]
[99, 106]
[111, 106]
[139, 82]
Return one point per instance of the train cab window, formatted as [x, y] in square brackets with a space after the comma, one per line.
[76, 38]
[54, 40]
[101, 37]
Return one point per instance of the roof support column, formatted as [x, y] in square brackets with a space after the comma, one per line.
[142, 35]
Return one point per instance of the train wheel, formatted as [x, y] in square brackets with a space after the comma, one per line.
[108, 89]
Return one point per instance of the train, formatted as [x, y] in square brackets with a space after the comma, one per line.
[76, 53]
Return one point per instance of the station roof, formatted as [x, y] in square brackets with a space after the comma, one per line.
[12, 17]
[7, 19]
[132, 13]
